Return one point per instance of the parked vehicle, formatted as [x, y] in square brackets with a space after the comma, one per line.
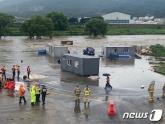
[89, 51]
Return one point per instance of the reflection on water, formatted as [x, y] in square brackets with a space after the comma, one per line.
[131, 73]
[118, 62]
[72, 78]
[77, 108]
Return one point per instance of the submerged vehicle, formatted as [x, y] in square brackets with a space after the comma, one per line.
[89, 51]
[42, 52]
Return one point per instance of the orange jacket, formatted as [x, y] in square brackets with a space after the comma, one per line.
[21, 90]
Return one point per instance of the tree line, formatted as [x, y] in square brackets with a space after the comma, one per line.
[38, 26]
[5, 21]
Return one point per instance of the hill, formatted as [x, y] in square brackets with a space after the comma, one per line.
[83, 7]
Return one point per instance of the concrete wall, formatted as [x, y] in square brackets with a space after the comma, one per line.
[80, 66]
[119, 51]
[71, 68]
[57, 51]
[91, 66]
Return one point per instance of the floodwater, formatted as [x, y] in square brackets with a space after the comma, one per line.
[129, 74]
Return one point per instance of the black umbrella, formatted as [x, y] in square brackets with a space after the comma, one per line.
[43, 85]
[106, 74]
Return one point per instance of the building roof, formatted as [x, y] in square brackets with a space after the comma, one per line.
[119, 46]
[117, 16]
[57, 46]
[81, 56]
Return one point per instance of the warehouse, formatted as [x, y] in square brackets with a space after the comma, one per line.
[80, 64]
[117, 18]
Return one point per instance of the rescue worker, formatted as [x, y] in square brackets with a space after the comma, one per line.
[38, 92]
[4, 72]
[87, 94]
[43, 93]
[22, 94]
[13, 71]
[28, 72]
[77, 92]
[18, 72]
[163, 96]
[108, 81]
[151, 90]
[33, 95]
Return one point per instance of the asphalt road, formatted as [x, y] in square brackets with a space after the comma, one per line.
[60, 108]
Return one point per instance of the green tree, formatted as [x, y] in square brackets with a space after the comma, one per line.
[27, 28]
[5, 21]
[157, 50]
[60, 21]
[38, 26]
[95, 27]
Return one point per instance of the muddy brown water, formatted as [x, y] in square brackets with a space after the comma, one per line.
[124, 73]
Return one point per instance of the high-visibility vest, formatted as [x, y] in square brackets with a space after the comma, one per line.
[77, 91]
[87, 92]
[33, 94]
[151, 88]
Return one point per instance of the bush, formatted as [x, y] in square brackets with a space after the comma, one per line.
[158, 50]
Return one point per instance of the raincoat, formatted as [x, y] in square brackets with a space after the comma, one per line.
[33, 94]
[21, 90]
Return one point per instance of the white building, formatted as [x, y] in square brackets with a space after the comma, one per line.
[117, 18]
[160, 20]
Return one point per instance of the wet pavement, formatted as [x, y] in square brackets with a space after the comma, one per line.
[127, 78]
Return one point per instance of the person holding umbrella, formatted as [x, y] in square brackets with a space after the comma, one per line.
[108, 87]
[107, 80]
